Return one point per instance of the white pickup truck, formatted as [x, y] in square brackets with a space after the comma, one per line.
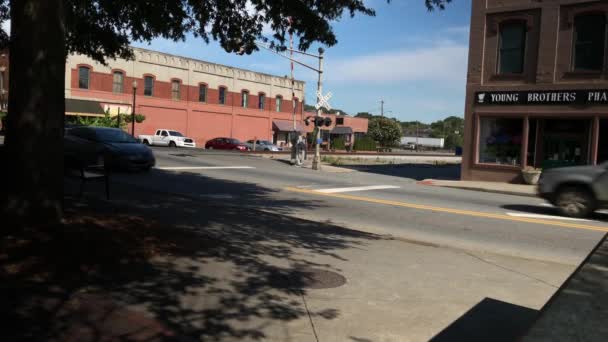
[167, 137]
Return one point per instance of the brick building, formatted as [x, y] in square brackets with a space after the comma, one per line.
[537, 87]
[202, 100]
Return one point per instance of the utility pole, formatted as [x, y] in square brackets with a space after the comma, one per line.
[316, 161]
[294, 138]
[382, 108]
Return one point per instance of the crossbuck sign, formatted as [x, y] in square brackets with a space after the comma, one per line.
[323, 100]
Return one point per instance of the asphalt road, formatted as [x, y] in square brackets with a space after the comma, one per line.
[376, 202]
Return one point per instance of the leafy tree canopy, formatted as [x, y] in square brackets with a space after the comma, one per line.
[104, 28]
[385, 131]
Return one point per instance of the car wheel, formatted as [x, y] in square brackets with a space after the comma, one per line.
[266, 150]
[146, 142]
[172, 144]
[575, 202]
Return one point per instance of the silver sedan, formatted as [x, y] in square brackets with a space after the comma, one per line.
[262, 145]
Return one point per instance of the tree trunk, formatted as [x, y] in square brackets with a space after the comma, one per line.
[33, 156]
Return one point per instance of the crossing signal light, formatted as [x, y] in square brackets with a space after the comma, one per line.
[318, 121]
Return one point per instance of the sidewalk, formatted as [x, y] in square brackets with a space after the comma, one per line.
[225, 273]
[496, 187]
[579, 310]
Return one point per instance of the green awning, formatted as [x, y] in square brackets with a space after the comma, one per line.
[83, 108]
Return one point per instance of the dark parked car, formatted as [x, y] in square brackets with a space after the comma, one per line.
[225, 144]
[111, 146]
[577, 191]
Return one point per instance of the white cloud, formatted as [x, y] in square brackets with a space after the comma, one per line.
[446, 62]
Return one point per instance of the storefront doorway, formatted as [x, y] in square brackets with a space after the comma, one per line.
[602, 152]
[559, 142]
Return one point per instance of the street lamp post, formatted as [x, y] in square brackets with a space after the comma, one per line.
[133, 109]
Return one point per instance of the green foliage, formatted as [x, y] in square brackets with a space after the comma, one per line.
[338, 144]
[364, 115]
[105, 121]
[450, 128]
[385, 131]
[309, 108]
[365, 143]
[128, 118]
[313, 136]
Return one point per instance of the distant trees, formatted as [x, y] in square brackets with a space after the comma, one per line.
[385, 131]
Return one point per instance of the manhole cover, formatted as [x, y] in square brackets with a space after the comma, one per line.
[307, 278]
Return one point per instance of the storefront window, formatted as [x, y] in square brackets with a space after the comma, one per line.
[500, 141]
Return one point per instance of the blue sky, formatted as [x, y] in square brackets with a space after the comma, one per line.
[413, 59]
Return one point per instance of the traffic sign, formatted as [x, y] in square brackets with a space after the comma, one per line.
[323, 100]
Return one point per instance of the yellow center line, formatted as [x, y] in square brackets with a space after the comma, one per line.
[450, 210]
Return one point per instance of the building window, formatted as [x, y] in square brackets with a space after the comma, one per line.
[589, 42]
[222, 95]
[339, 121]
[84, 75]
[500, 141]
[244, 99]
[202, 93]
[118, 82]
[512, 42]
[279, 103]
[148, 86]
[261, 101]
[175, 90]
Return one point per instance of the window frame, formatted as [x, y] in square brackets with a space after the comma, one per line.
[149, 77]
[573, 67]
[222, 99]
[261, 101]
[523, 48]
[278, 103]
[204, 97]
[121, 84]
[88, 69]
[176, 94]
[244, 98]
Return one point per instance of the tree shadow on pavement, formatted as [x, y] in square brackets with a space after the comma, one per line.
[489, 320]
[151, 266]
[413, 171]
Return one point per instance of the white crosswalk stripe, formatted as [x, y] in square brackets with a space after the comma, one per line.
[356, 188]
[549, 217]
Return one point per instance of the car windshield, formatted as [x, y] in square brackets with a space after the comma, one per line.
[233, 141]
[265, 142]
[175, 134]
[114, 136]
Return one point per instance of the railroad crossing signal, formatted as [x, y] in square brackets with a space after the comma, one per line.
[323, 100]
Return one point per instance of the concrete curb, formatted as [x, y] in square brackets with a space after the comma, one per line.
[430, 182]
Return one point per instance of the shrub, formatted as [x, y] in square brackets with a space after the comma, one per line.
[338, 144]
[365, 143]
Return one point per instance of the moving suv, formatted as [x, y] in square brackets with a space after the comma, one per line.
[577, 191]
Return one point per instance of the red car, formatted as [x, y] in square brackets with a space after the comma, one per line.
[225, 144]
